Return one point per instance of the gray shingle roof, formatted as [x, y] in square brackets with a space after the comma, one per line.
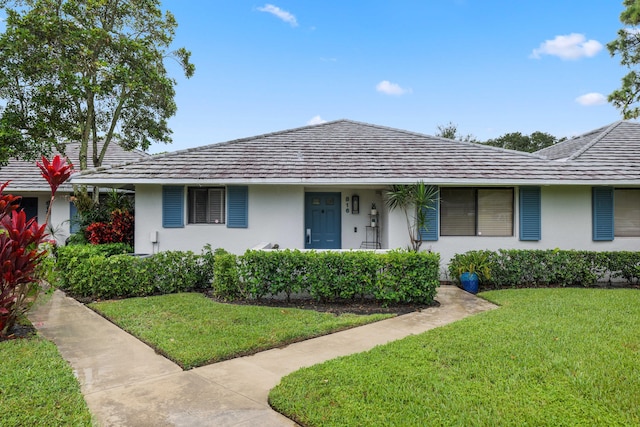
[25, 176]
[348, 152]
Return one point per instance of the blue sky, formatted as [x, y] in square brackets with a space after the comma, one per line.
[491, 67]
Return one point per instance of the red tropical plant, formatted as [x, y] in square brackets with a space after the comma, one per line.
[56, 172]
[20, 250]
[122, 226]
[8, 202]
[119, 230]
[19, 256]
[99, 233]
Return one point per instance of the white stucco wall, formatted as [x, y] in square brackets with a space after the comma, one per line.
[60, 221]
[276, 215]
[566, 217]
[59, 213]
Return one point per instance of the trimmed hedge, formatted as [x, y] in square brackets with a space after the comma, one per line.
[393, 277]
[104, 271]
[520, 268]
[71, 256]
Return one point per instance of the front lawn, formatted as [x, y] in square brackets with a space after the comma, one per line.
[548, 357]
[193, 330]
[37, 387]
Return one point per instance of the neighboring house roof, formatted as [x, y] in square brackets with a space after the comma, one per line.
[613, 144]
[25, 176]
[348, 152]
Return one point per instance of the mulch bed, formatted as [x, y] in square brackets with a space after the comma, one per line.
[336, 307]
[19, 332]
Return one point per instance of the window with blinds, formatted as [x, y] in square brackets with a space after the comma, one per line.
[476, 212]
[627, 212]
[207, 205]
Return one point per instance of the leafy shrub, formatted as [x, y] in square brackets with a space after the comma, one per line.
[119, 230]
[20, 254]
[518, 268]
[395, 277]
[258, 270]
[172, 271]
[99, 233]
[122, 275]
[625, 265]
[226, 283]
[342, 275]
[69, 258]
[408, 276]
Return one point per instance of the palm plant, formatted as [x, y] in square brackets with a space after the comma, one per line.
[414, 200]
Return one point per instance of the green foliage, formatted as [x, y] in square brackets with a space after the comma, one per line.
[527, 143]
[70, 257]
[258, 270]
[342, 275]
[193, 330]
[517, 268]
[395, 277]
[38, 386]
[87, 71]
[414, 201]
[172, 271]
[546, 357]
[450, 131]
[626, 46]
[226, 283]
[623, 264]
[472, 262]
[408, 276]
[123, 275]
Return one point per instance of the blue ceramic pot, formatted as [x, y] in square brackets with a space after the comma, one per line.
[469, 282]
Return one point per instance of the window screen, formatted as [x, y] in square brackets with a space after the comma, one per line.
[627, 212]
[495, 212]
[476, 211]
[206, 205]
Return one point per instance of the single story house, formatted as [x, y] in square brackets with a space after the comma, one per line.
[313, 187]
[26, 181]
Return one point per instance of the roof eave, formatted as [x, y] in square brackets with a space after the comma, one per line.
[357, 181]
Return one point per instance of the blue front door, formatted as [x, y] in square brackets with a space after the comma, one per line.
[322, 221]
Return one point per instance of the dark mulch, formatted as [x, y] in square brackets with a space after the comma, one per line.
[336, 307]
[19, 332]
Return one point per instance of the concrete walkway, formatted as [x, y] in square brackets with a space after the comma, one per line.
[125, 383]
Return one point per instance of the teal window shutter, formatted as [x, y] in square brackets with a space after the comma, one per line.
[172, 206]
[237, 207]
[430, 234]
[602, 213]
[74, 219]
[530, 216]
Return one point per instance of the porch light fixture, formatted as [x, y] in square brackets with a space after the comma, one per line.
[355, 204]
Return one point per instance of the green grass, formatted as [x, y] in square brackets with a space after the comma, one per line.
[548, 357]
[37, 387]
[193, 330]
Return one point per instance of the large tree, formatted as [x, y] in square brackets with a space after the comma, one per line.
[87, 71]
[450, 131]
[627, 45]
[529, 143]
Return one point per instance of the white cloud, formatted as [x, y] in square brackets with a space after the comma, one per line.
[316, 120]
[593, 98]
[279, 13]
[572, 46]
[389, 88]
